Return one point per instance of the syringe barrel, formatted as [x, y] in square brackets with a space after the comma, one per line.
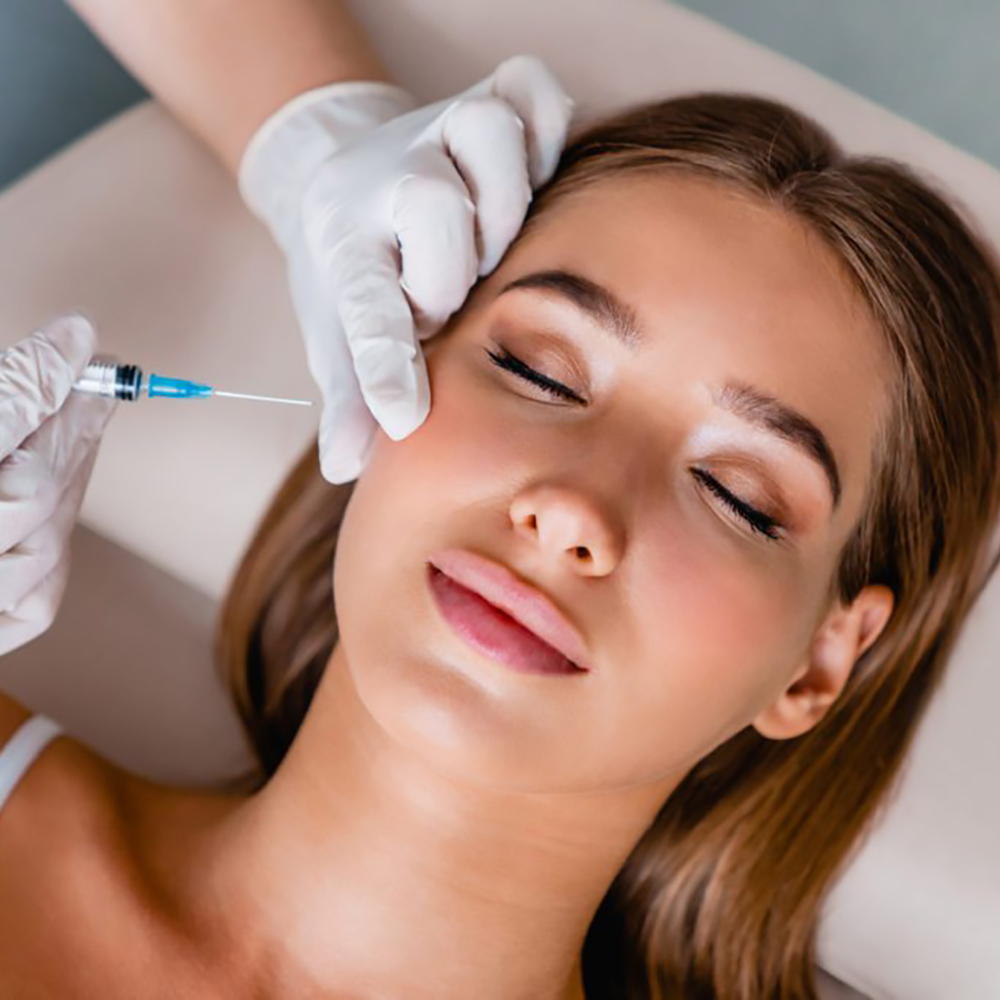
[105, 376]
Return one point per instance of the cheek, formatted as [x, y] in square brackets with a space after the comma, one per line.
[459, 449]
[718, 637]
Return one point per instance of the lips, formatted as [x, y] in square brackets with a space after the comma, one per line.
[527, 605]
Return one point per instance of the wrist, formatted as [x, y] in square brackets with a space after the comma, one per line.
[286, 149]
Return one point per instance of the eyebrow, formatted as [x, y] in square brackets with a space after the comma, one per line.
[743, 400]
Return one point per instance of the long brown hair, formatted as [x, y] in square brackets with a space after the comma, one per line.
[720, 897]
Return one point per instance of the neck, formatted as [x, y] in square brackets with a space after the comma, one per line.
[360, 870]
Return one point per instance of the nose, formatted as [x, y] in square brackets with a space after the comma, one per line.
[569, 527]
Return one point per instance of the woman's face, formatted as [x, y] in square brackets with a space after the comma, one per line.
[695, 621]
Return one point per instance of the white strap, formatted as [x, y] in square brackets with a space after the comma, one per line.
[31, 738]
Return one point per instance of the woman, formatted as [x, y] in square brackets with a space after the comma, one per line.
[731, 401]
[763, 627]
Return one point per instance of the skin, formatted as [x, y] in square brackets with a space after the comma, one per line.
[443, 826]
[273, 51]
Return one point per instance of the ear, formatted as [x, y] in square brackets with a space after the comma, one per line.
[844, 635]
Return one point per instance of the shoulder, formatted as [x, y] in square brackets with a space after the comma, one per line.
[64, 790]
[64, 804]
[70, 850]
[65, 778]
[61, 860]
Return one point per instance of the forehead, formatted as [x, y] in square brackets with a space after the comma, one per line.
[725, 286]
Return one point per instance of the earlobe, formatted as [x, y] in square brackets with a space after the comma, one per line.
[845, 634]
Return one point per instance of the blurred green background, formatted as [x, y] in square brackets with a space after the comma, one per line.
[936, 62]
[56, 83]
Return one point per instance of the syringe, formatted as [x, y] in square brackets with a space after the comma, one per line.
[106, 376]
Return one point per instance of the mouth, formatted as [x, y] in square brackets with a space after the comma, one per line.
[502, 617]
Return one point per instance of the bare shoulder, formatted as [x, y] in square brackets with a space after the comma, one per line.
[72, 882]
[58, 859]
[61, 807]
[67, 778]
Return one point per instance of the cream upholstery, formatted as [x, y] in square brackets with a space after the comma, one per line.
[137, 226]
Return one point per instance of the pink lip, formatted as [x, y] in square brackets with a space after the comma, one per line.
[527, 605]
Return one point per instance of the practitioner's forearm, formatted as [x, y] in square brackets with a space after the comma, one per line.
[223, 66]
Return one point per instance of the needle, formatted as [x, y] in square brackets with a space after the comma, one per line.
[266, 399]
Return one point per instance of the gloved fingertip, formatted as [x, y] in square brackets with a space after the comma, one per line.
[336, 465]
[490, 259]
[333, 468]
[400, 420]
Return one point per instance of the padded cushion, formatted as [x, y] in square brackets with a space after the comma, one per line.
[127, 669]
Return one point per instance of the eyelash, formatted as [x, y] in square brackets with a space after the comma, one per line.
[757, 520]
[513, 364]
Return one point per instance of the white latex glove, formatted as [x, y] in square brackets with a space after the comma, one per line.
[48, 443]
[380, 208]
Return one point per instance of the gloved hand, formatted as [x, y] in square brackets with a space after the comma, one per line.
[380, 208]
[48, 443]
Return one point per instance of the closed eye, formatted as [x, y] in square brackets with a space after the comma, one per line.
[504, 359]
[758, 521]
